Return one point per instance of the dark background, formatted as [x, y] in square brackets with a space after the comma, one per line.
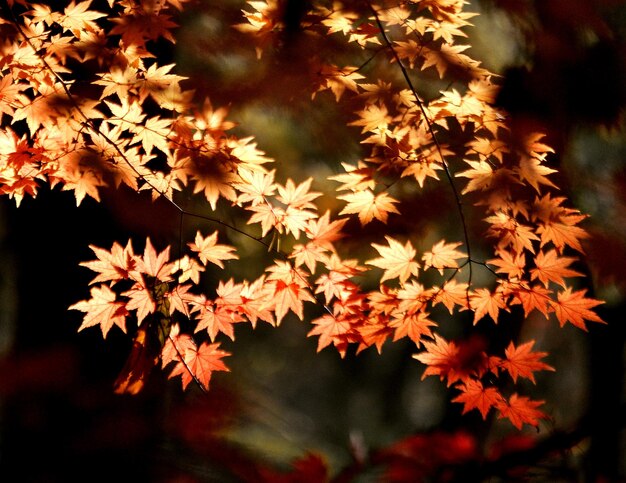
[61, 421]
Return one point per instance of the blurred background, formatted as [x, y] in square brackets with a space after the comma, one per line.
[563, 67]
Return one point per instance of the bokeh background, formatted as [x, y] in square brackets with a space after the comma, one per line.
[563, 67]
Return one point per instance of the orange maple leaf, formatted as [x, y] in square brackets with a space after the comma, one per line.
[552, 268]
[475, 396]
[484, 302]
[521, 361]
[532, 297]
[510, 263]
[414, 326]
[297, 196]
[175, 346]
[216, 319]
[562, 234]
[331, 330]
[289, 296]
[451, 294]
[531, 170]
[520, 410]
[573, 307]
[199, 363]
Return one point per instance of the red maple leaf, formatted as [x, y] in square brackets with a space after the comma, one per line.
[199, 363]
[520, 361]
[475, 396]
[520, 410]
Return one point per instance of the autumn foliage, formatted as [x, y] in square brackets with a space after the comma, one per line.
[86, 105]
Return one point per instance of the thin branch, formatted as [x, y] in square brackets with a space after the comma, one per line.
[187, 368]
[431, 131]
[90, 125]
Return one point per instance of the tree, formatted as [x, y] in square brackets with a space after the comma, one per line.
[88, 106]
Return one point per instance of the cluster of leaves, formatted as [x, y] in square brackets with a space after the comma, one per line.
[86, 105]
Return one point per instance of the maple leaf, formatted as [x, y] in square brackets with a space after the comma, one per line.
[454, 361]
[421, 169]
[296, 220]
[573, 307]
[289, 296]
[141, 299]
[374, 118]
[78, 17]
[119, 81]
[369, 206]
[531, 170]
[552, 268]
[339, 20]
[356, 178]
[484, 302]
[190, 269]
[180, 299]
[521, 361]
[112, 265]
[199, 364]
[481, 176]
[451, 294]
[10, 94]
[533, 297]
[413, 297]
[176, 345]
[562, 234]
[396, 260]
[308, 255]
[154, 264]
[521, 410]
[253, 304]
[297, 196]
[331, 330]
[414, 326]
[338, 80]
[475, 396]
[153, 133]
[331, 284]
[510, 263]
[323, 233]
[255, 186]
[268, 215]
[102, 309]
[210, 251]
[443, 255]
[143, 356]
[214, 181]
[509, 231]
[440, 358]
[216, 319]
